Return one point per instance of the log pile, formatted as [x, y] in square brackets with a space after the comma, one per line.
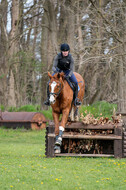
[90, 119]
[91, 146]
[87, 146]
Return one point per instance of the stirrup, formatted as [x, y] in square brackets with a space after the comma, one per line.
[47, 103]
[77, 102]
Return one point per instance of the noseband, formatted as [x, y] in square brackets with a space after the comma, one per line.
[57, 93]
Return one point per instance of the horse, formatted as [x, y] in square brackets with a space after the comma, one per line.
[61, 101]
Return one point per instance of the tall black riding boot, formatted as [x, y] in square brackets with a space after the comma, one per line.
[77, 102]
[47, 103]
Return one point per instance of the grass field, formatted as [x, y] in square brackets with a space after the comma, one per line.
[23, 166]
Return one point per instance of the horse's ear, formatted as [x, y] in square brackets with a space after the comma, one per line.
[50, 76]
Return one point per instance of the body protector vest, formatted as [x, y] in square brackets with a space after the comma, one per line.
[64, 62]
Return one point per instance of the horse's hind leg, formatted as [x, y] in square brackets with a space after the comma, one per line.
[76, 114]
[72, 114]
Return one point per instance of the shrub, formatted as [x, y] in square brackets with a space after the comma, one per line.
[98, 109]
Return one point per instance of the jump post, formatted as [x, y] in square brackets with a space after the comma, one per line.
[108, 140]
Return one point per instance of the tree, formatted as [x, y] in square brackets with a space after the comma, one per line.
[95, 31]
[115, 27]
[13, 59]
[3, 50]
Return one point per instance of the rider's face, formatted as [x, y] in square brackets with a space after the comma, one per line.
[65, 53]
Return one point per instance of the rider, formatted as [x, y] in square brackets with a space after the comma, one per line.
[64, 62]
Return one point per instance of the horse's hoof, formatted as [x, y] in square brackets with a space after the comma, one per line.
[57, 149]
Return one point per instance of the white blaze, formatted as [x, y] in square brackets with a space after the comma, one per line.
[52, 98]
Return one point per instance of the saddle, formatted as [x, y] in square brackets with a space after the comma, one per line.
[72, 85]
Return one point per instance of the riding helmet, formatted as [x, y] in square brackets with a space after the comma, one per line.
[64, 47]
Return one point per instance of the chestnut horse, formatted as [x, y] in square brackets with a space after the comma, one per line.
[61, 100]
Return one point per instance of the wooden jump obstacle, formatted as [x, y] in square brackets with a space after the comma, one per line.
[108, 140]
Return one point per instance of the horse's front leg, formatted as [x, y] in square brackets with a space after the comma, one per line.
[56, 121]
[65, 114]
[57, 142]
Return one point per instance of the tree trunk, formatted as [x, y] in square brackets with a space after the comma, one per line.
[122, 59]
[13, 49]
[3, 51]
[67, 23]
[122, 80]
[70, 23]
[49, 44]
[80, 40]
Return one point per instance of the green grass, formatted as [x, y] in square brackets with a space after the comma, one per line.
[23, 166]
[98, 108]
[27, 108]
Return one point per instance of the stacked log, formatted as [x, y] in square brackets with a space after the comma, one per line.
[90, 119]
[87, 146]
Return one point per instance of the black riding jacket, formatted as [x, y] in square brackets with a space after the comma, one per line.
[63, 63]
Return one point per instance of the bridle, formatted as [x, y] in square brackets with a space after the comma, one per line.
[56, 94]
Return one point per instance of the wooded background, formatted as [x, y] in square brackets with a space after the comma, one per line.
[31, 32]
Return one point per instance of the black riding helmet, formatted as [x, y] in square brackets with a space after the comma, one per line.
[64, 47]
